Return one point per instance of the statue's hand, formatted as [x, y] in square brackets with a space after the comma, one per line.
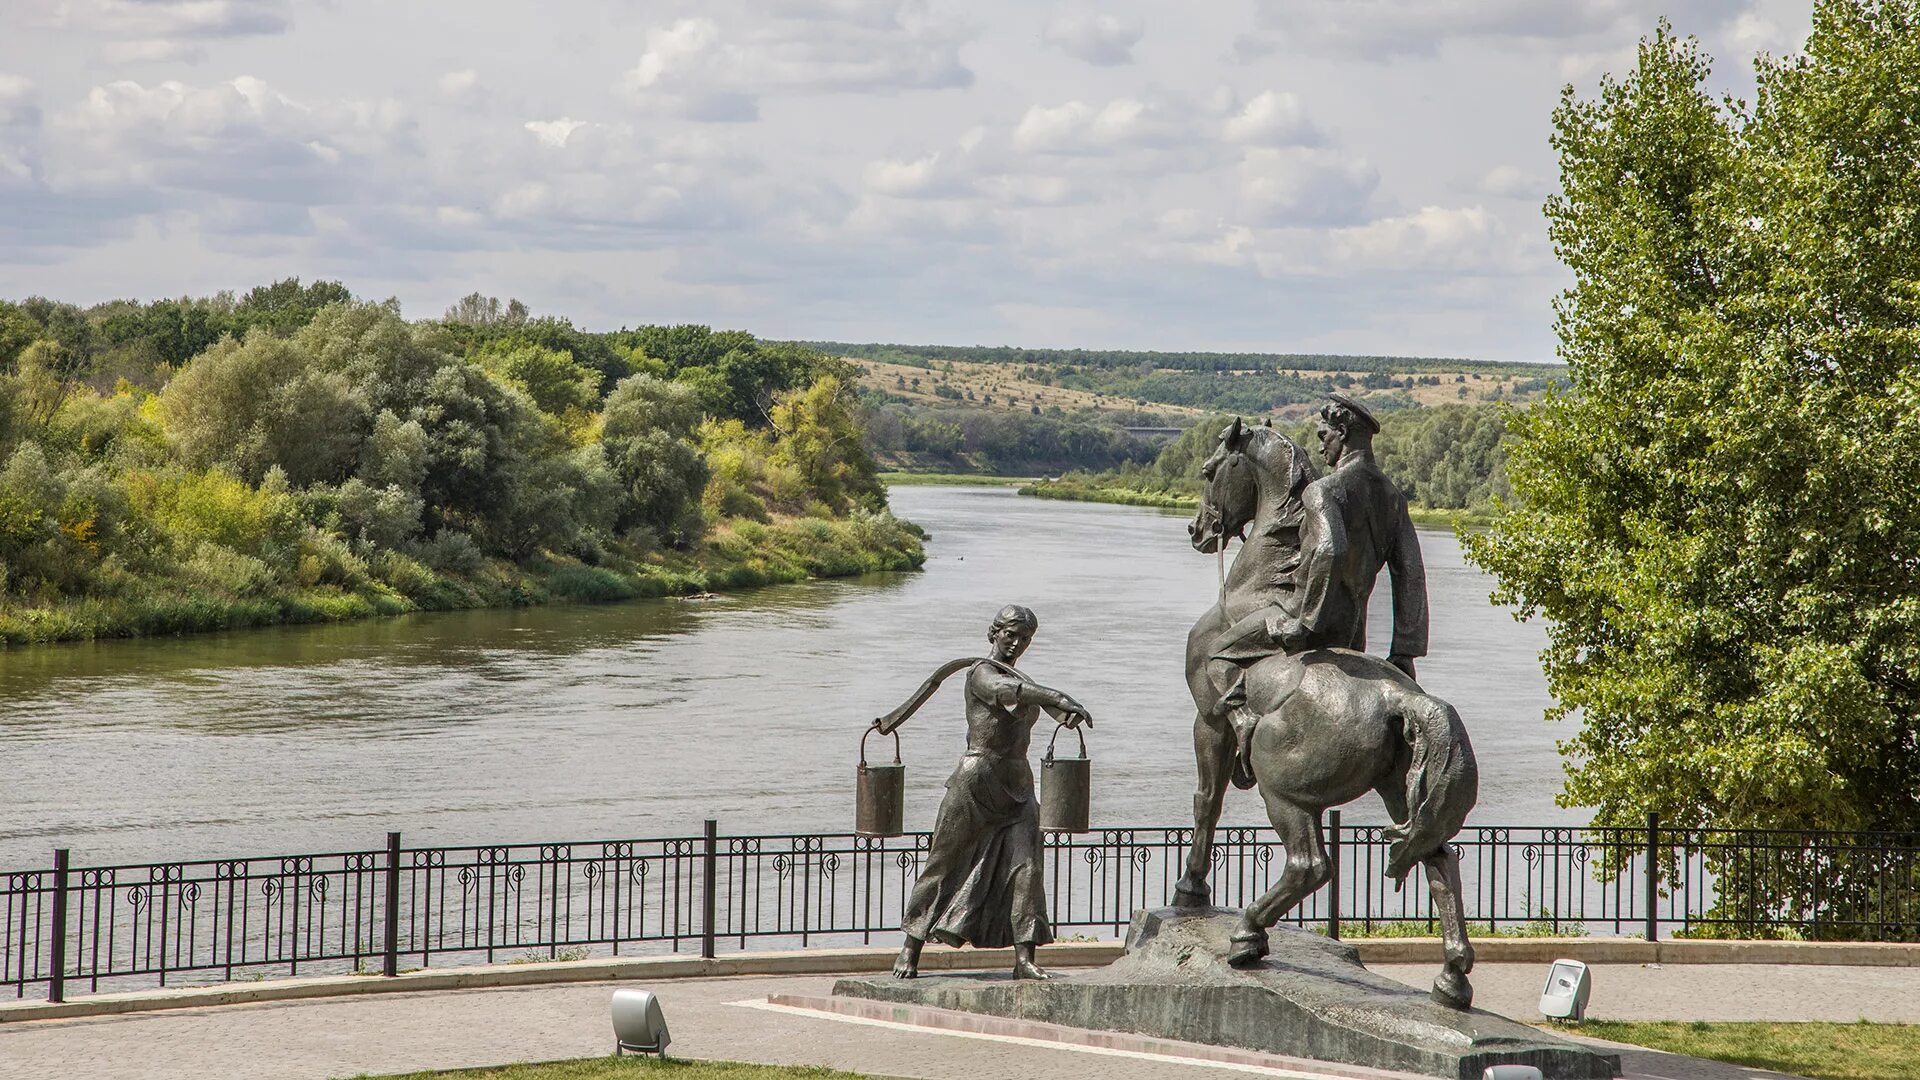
[1286, 632]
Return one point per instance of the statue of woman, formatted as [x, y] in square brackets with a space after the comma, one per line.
[981, 884]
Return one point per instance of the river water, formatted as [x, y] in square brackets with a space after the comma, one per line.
[643, 718]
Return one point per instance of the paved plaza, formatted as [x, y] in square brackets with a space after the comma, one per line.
[388, 1033]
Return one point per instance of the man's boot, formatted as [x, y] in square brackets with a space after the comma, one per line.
[1243, 720]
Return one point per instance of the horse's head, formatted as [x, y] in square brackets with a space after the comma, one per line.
[1232, 491]
[1244, 462]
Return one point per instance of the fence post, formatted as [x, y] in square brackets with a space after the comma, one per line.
[709, 874]
[1333, 880]
[57, 960]
[1653, 875]
[390, 943]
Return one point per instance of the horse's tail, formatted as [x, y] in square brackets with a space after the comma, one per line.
[1442, 782]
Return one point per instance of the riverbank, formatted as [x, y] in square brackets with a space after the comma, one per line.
[948, 479]
[737, 554]
[1075, 491]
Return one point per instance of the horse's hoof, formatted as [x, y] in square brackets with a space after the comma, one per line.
[1190, 894]
[1247, 949]
[1453, 990]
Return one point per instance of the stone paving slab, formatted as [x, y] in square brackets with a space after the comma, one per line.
[339, 1037]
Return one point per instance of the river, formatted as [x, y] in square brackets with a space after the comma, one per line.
[642, 718]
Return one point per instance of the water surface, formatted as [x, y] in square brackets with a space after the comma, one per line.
[643, 718]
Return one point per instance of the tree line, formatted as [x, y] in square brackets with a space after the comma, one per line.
[293, 452]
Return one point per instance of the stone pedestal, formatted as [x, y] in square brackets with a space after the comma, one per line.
[1309, 998]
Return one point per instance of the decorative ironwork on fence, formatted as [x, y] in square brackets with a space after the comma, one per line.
[379, 910]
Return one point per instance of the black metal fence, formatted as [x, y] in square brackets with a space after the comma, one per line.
[378, 911]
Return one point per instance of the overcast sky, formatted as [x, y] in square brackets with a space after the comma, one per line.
[1285, 175]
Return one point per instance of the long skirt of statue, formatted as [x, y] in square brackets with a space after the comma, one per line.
[981, 884]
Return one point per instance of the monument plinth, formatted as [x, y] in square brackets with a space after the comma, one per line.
[1309, 997]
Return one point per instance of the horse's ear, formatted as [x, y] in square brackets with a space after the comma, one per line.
[1269, 421]
[1234, 435]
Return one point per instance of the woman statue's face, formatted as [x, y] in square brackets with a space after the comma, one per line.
[1009, 642]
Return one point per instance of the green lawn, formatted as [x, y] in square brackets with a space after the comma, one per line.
[1860, 1051]
[612, 1068]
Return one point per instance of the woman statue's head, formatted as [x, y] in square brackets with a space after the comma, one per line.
[1011, 631]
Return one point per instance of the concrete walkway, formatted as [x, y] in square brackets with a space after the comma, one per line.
[336, 1037]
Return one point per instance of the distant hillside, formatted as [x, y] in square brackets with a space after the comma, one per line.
[1082, 381]
[923, 355]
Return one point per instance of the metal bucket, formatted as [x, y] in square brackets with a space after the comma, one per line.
[880, 802]
[1066, 788]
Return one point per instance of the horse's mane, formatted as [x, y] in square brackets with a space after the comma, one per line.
[1279, 457]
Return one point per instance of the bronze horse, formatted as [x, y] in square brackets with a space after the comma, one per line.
[1335, 723]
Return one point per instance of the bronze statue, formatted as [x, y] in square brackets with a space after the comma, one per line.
[982, 883]
[1326, 722]
[1352, 523]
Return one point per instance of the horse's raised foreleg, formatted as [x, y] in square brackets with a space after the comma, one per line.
[1451, 988]
[1213, 751]
[1307, 869]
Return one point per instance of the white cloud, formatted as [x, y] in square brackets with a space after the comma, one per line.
[1077, 127]
[554, 132]
[158, 31]
[1379, 29]
[1271, 119]
[18, 105]
[703, 68]
[1306, 186]
[460, 86]
[1102, 40]
[1433, 238]
[1509, 182]
[239, 139]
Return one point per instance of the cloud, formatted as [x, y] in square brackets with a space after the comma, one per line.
[1077, 127]
[152, 31]
[1508, 182]
[1102, 40]
[702, 68]
[1381, 29]
[1433, 238]
[1306, 186]
[459, 86]
[554, 132]
[237, 140]
[18, 106]
[1271, 119]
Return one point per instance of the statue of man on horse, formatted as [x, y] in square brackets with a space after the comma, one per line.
[1288, 701]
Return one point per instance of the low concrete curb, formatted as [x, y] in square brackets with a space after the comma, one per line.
[938, 958]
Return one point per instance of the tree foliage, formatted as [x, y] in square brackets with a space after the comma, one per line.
[1719, 521]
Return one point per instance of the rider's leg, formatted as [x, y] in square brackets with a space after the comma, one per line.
[1230, 676]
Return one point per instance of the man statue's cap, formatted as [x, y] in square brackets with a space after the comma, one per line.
[1356, 409]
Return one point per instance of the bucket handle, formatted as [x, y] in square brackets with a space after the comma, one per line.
[896, 746]
[1056, 735]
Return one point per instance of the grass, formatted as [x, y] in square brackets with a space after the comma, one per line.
[1861, 1051]
[919, 479]
[609, 1068]
[736, 554]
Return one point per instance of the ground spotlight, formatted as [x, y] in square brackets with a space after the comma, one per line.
[1510, 1072]
[1565, 995]
[638, 1023]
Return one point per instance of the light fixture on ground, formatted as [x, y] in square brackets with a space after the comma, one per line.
[1565, 995]
[1510, 1072]
[638, 1023]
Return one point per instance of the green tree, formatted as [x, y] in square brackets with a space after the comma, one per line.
[819, 434]
[1718, 518]
[648, 437]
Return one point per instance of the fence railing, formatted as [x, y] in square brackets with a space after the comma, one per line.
[382, 910]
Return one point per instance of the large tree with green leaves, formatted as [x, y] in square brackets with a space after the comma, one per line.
[1719, 518]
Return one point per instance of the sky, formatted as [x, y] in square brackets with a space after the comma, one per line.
[1347, 176]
